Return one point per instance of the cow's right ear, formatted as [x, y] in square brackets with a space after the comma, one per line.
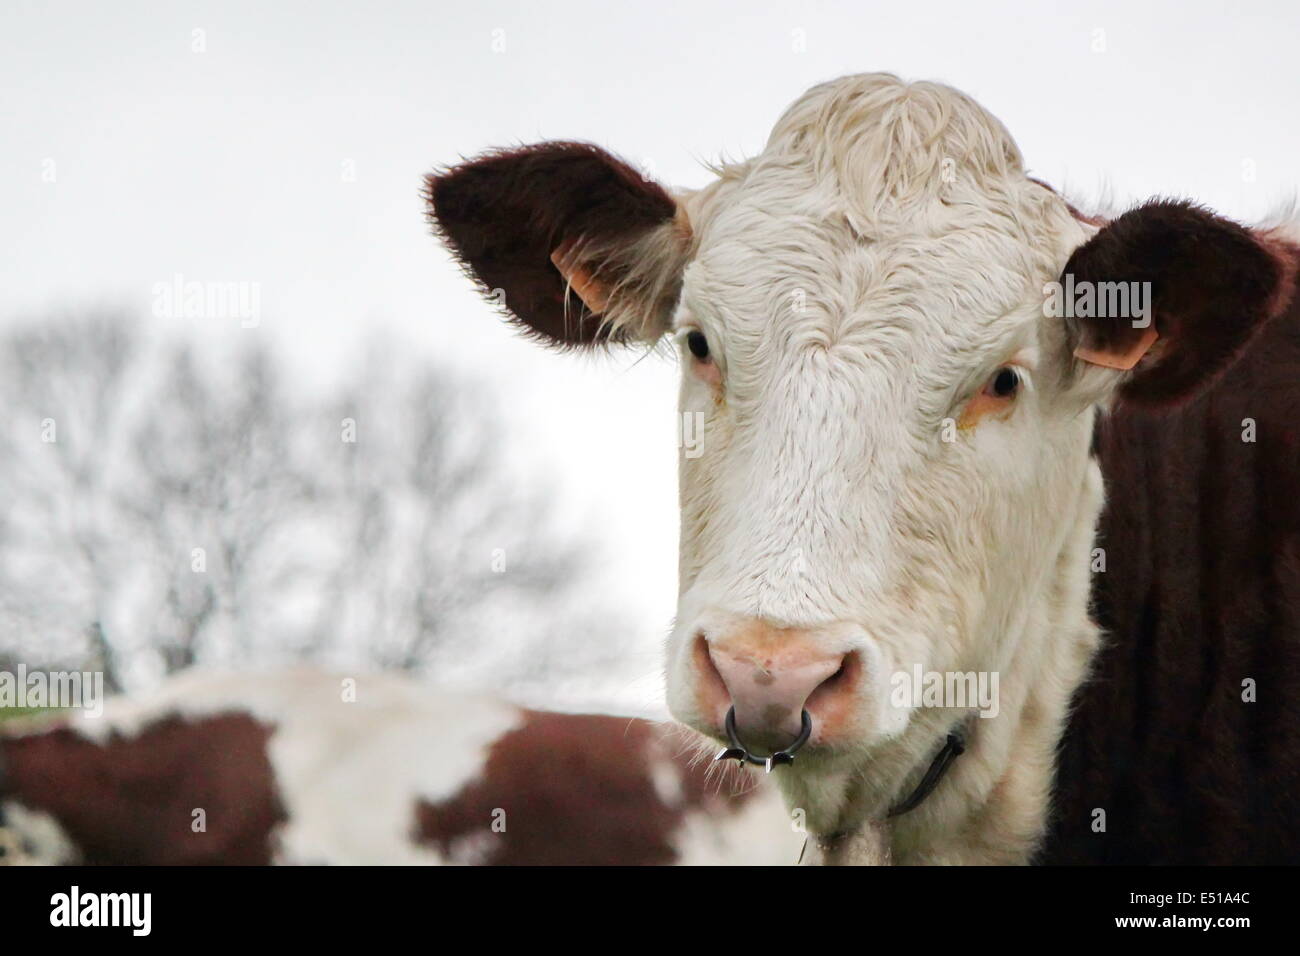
[576, 245]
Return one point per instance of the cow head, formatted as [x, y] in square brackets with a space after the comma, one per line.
[889, 369]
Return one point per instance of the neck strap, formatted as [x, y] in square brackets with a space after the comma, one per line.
[952, 749]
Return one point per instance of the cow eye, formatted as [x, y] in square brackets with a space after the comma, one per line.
[996, 398]
[1004, 383]
[698, 345]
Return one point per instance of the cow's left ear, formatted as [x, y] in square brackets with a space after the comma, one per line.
[1194, 289]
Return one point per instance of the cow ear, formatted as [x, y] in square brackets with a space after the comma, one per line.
[577, 246]
[1193, 288]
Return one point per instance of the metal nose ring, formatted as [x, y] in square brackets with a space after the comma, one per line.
[739, 752]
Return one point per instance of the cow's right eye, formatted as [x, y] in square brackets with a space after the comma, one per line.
[698, 345]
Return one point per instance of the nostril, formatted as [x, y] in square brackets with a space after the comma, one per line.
[842, 682]
[711, 688]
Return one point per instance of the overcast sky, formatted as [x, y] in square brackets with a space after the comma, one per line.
[283, 144]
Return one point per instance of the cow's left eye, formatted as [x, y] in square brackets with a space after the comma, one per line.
[995, 399]
[1004, 383]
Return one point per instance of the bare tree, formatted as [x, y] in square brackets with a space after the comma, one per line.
[64, 384]
[443, 548]
[215, 487]
[166, 509]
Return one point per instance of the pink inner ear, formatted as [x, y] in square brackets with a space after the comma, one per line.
[593, 294]
[1120, 360]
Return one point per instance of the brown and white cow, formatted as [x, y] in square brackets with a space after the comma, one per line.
[304, 767]
[920, 373]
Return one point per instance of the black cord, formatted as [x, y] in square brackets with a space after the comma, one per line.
[954, 748]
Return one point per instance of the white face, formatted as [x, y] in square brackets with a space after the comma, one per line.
[887, 447]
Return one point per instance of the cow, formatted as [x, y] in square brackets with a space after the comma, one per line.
[990, 539]
[305, 767]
